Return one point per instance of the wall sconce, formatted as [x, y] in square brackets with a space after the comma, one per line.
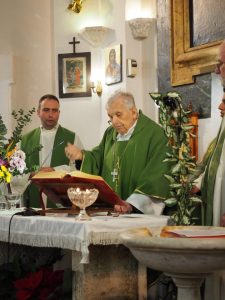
[97, 36]
[75, 6]
[140, 27]
[98, 88]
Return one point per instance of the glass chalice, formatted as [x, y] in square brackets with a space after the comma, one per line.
[13, 200]
[82, 199]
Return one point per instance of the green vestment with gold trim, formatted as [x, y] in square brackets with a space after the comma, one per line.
[210, 165]
[141, 167]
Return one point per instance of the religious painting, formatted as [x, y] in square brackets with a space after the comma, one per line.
[74, 75]
[113, 64]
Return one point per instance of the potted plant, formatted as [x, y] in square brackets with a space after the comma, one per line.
[175, 122]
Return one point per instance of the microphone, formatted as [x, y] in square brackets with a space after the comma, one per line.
[28, 210]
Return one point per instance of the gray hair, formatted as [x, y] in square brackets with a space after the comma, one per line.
[128, 99]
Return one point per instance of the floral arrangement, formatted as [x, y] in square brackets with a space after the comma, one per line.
[12, 160]
[175, 122]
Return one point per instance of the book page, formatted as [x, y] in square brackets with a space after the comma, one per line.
[212, 232]
[200, 232]
[62, 174]
[50, 175]
[84, 175]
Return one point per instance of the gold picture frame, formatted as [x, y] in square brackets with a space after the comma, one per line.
[187, 61]
[74, 71]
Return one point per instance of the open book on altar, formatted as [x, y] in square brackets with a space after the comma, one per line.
[193, 232]
[58, 182]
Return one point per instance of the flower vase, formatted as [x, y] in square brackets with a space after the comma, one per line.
[3, 190]
[8, 188]
[13, 192]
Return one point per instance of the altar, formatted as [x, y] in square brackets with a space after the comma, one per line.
[102, 267]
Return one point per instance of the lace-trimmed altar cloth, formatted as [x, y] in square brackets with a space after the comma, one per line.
[66, 233]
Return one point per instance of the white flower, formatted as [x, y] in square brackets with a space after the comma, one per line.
[17, 161]
[20, 154]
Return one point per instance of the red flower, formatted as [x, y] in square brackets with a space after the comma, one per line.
[51, 278]
[41, 284]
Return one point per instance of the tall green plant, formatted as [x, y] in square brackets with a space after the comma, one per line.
[175, 122]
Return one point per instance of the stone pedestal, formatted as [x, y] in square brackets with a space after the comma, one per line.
[112, 273]
[188, 285]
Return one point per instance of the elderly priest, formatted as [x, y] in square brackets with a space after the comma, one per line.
[129, 157]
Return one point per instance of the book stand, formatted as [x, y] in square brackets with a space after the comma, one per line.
[56, 191]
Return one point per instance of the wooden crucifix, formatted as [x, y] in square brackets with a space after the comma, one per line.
[74, 42]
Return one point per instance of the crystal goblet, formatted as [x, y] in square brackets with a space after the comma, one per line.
[82, 199]
[13, 200]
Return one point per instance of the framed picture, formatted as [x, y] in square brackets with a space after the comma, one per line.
[113, 64]
[74, 71]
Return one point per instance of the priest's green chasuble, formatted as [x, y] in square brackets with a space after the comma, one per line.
[212, 162]
[30, 141]
[133, 166]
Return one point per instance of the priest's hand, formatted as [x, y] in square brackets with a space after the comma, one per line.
[126, 208]
[73, 152]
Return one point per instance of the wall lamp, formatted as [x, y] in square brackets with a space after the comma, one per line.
[75, 6]
[140, 27]
[97, 88]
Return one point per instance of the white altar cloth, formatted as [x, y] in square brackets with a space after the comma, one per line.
[66, 233]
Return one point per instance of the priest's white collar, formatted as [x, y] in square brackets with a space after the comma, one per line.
[50, 130]
[126, 136]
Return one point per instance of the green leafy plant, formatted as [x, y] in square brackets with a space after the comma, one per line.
[175, 122]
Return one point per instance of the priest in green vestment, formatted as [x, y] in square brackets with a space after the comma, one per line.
[129, 157]
[53, 138]
[212, 183]
[211, 177]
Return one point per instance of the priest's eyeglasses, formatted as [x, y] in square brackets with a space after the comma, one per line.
[110, 122]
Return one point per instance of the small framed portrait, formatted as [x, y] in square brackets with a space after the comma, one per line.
[74, 71]
[113, 64]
